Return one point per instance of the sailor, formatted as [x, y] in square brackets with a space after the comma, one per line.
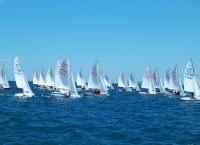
[97, 91]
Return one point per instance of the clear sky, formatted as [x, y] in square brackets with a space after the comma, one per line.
[120, 34]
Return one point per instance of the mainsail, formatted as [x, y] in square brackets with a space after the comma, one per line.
[36, 78]
[96, 80]
[64, 79]
[20, 78]
[191, 83]
[107, 82]
[147, 81]
[80, 79]
[122, 83]
[50, 79]
[167, 78]
[6, 84]
[175, 82]
[133, 83]
[189, 77]
[157, 81]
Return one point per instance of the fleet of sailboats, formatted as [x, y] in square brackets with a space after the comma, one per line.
[62, 82]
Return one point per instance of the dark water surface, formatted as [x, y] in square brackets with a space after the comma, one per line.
[120, 119]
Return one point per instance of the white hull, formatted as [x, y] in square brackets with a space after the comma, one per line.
[24, 95]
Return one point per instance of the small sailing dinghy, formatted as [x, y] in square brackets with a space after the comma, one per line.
[108, 82]
[175, 84]
[64, 80]
[133, 85]
[21, 80]
[81, 84]
[191, 83]
[96, 85]
[147, 82]
[122, 83]
[167, 79]
[158, 84]
[36, 79]
[50, 83]
[42, 79]
[3, 79]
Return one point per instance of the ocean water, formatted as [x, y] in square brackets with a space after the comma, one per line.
[120, 119]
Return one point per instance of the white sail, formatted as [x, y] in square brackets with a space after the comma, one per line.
[80, 80]
[122, 83]
[175, 82]
[147, 81]
[189, 77]
[20, 78]
[58, 82]
[93, 82]
[5, 81]
[74, 92]
[133, 83]
[167, 79]
[151, 89]
[1, 80]
[64, 78]
[191, 83]
[196, 89]
[157, 81]
[104, 89]
[36, 78]
[108, 82]
[50, 79]
[146, 78]
[96, 80]
[65, 75]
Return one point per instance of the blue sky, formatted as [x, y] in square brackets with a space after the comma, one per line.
[121, 34]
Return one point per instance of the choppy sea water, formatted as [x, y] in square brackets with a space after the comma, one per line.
[120, 119]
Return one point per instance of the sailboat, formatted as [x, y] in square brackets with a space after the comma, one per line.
[133, 85]
[21, 80]
[167, 79]
[3, 79]
[175, 84]
[122, 83]
[64, 79]
[147, 82]
[81, 84]
[36, 79]
[191, 83]
[42, 79]
[158, 84]
[50, 83]
[108, 82]
[96, 85]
